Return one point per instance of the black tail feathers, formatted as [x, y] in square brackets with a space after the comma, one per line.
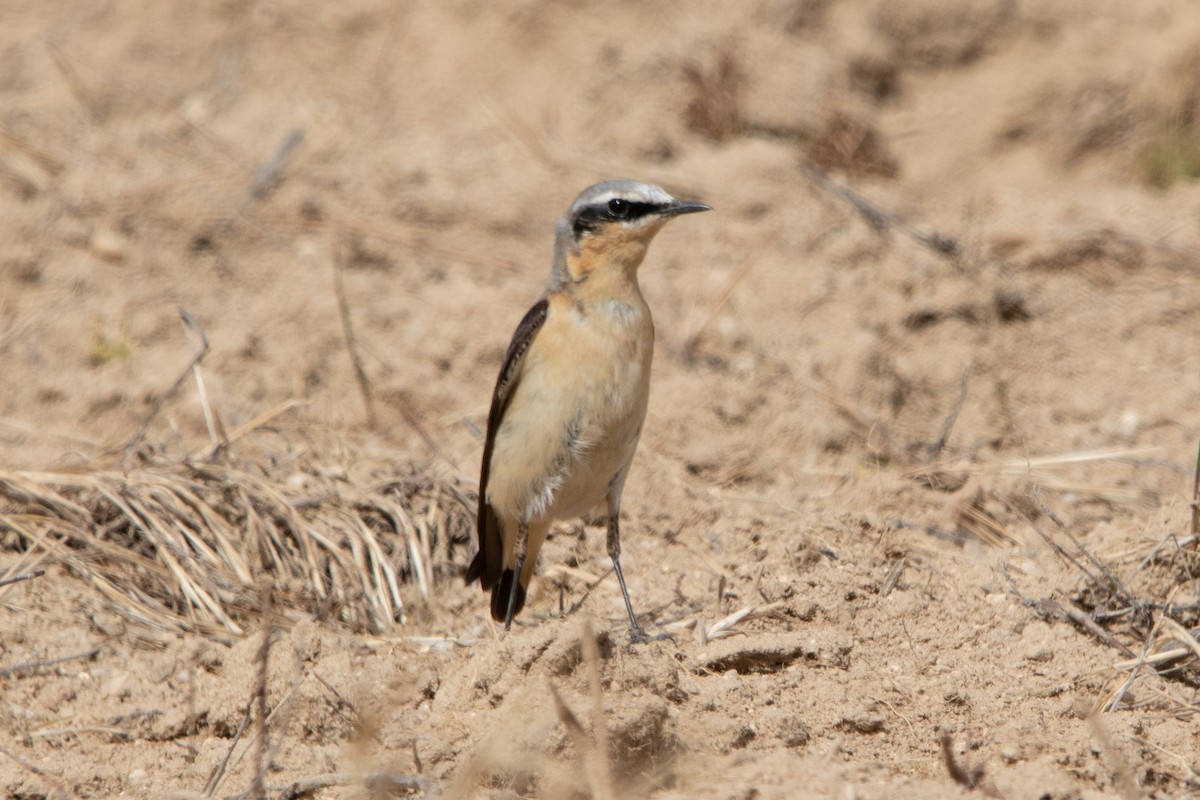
[475, 571]
[500, 595]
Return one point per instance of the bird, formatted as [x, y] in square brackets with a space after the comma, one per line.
[569, 402]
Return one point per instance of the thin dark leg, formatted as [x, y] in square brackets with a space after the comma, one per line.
[512, 594]
[636, 635]
[522, 540]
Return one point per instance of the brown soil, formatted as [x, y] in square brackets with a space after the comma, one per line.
[949, 477]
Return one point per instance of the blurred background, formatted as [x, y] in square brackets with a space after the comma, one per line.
[216, 157]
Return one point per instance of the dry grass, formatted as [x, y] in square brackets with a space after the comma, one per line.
[184, 546]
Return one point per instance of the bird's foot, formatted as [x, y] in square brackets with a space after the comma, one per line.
[639, 636]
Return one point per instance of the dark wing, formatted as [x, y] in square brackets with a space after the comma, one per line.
[489, 561]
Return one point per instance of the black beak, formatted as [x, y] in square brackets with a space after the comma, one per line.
[678, 207]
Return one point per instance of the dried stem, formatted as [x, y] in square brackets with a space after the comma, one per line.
[879, 218]
[360, 372]
[190, 324]
[26, 667]
[262, 662]
[60, 789]
[937, 446]
[1195, 528]
[218, 774]
[37, 573]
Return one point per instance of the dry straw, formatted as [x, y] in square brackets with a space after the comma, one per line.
[184, 546]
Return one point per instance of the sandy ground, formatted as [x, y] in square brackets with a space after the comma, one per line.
[947, 486]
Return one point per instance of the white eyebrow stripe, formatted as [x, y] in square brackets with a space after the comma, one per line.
[640, 194]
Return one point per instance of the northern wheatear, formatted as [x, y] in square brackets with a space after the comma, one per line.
[569, 404]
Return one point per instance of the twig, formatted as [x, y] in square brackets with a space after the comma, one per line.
[1162, 657]
[258, 787]
[721, 627]
[1195, 529]
[1152, 556]
[76, 731]
[218, 774]
[266, 178]
[727, 622]
[256, 744]
[1049, 606]
[1115, 588]
[893, 576]
[37, 573]
[60, 789]
[1055, 546]
[212, 420]
[940, 443]
[360, 372]
[189, 322]
[414, 422]
[1189, 777]
[1028, 464]
[271, 172]
[1185, 637]
[1137, 665]
[209, 450]
[587, 591]
[878, 218]
[1076, 615]
[341, 698]
[32, 666]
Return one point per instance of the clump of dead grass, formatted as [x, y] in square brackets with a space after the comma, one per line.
[186, 546]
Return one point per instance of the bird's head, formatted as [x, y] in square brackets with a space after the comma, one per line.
[609, 227]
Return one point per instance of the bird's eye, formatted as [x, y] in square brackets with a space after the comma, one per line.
[618, 207]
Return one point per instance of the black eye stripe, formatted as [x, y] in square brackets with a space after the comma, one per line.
[639, 209]
[591, 216]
